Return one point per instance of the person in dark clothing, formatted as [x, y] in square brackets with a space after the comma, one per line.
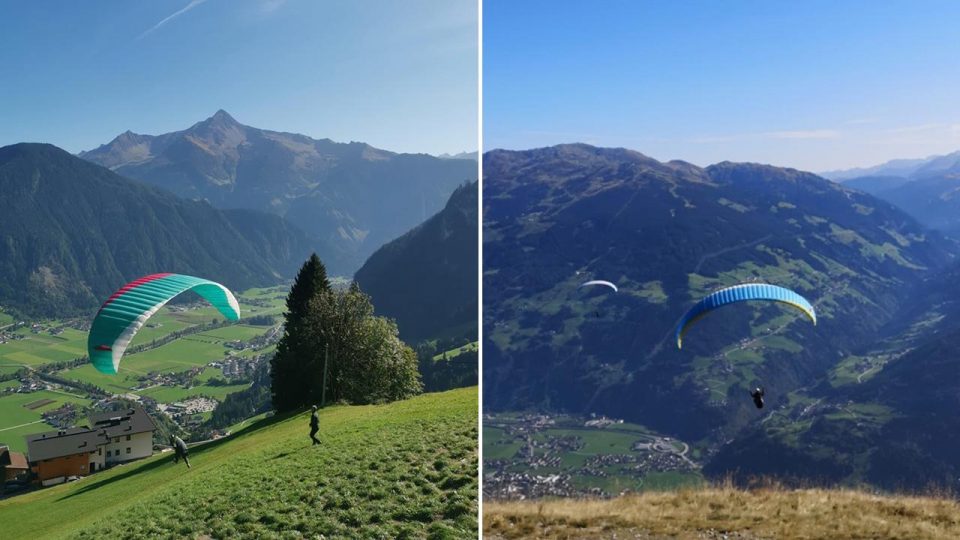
[757, 396]
[179, 450]
[314, 425]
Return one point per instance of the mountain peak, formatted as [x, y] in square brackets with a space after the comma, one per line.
[127, 137]
[220, 119]
[222, 116]
[26, 149]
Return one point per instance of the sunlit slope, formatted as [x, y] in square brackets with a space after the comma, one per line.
[728, 513]
[403, 469]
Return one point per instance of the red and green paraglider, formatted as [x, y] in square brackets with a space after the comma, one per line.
[125, 312]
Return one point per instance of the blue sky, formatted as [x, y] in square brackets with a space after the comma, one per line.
[399, 75]
[814, 85]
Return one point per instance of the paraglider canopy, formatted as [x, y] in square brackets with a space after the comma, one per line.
[125, 312]
[598, 282]
[742, 293]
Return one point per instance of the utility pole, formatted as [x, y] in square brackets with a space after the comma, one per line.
[323, 393]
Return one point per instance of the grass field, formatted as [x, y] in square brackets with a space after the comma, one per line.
[593, 444]
[403, 470]
[42, 348]
[180, 355]
[726, 512]
[170, 394]
[453, 353]
[13, 412]
[242, 424]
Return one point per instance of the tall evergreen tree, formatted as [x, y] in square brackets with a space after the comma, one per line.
[367, 361]
[290, 368]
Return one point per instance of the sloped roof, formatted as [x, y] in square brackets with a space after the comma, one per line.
[18, 460]
[65, 442]
[123, 422]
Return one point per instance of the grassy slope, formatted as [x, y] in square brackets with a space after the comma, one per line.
[709, 513]
[407, 469]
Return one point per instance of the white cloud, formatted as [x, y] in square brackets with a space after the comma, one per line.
[268, 6]
[787, 134]
[862, 121]
[914, 129]
[188, 7]
[803, 134]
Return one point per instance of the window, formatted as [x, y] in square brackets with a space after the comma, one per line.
[108, 453]
[116, 439]
[128, 437]
[128, 449]
[100, 451]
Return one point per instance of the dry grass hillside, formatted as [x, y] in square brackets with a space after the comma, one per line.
[728, 512]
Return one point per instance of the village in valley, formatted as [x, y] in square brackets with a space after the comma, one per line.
[530, 456]
[178, 369]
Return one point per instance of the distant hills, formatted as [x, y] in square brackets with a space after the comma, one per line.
[903, 168]
[668, 233]
[350, 198]
[928, 188]
[71, 232]
[427, 278]
[461, 155]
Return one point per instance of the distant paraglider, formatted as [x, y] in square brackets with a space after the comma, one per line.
[757, 396]
[600, 282]
[125, 312]
[742, 293]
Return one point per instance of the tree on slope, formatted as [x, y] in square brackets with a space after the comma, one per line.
[291, 365]
[366, 361]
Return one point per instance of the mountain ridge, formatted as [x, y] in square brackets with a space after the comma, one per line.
[666, 234]
[73, 231]
[351, 198]
[427, 278]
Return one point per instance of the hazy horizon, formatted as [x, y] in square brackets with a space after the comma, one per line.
[817, 86]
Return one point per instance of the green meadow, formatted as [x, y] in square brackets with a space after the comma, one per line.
[16, 420]
[401, 470]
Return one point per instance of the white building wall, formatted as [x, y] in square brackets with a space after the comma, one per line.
[98, 458]
[140, 445]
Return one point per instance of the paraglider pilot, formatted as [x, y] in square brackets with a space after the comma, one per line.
[757, 396]
[179, 450]
[314, 425]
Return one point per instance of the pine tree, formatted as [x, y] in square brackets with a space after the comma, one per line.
[292, 363]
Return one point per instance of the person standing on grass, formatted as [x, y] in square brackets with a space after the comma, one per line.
[314, 426]
[179, 450]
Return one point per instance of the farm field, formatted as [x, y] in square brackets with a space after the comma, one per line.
[180, 355]
[604, 458]
[13, 412]
[42, 348]
[170, 394]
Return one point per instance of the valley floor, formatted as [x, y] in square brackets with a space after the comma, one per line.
[727, 512]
